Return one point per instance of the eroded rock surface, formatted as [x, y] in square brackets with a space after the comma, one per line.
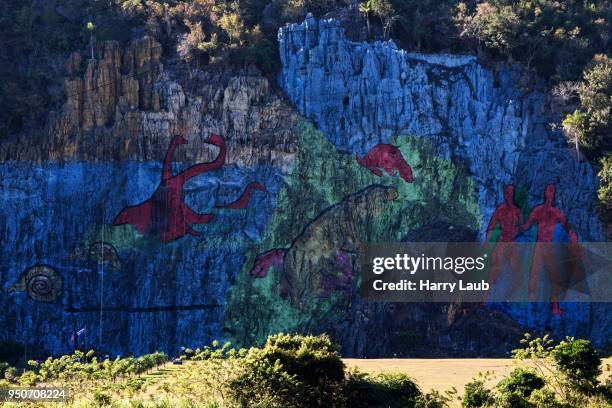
[462, 130]
[361, 94]
[124, 105]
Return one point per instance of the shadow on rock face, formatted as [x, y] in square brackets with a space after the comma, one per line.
[441, 231]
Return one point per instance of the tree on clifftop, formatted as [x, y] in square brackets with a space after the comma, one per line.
[385, 11]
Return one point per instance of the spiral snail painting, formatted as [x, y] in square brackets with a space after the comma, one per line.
[42, 283]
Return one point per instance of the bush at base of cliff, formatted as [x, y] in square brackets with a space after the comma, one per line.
[570, 370]
[521, 382]
[580, 364]
[512, 401]
[605, 389]
[261, 384]
[101, 399]
[436, 399]
[477, 395]
[383, 390]
[290, 371]
[513, 390]
[544, 398]
[306, 371]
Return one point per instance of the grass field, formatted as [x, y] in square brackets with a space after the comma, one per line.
[443, 374]
[438, 374]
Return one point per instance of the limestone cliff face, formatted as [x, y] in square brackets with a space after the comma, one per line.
[100, 152]
[65, 264]
[123, 105]
[361, 94]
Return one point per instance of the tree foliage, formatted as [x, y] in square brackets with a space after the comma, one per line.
[605, 190]
[382, 390]
[595, 94]
[521, 381]
[476, 395]
[291, 371]
[579, 362]
[493, 27]
[306, 371]
[80, 367]
[556, 38]
[570, 370]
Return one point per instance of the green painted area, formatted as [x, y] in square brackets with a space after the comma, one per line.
[521, 199]
[120, 236]
[321, 177]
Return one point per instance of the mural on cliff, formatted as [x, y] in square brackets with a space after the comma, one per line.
[260, 231]
[165, 215]
[364, 94]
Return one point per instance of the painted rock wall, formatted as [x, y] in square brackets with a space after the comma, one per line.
[131, 292]
[401, 146]
[363, 94]
[65, 265]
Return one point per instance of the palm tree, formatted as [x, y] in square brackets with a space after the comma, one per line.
[365, 8]
[91, 27]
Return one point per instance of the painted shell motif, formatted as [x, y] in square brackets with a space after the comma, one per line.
[101, 252]
[42, 283]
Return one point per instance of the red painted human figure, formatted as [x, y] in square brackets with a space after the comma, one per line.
[387, 157]
[509, 217]
[547, 217]
[575, 261]
[165, 214]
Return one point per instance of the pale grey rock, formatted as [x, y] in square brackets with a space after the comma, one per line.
[361, 94]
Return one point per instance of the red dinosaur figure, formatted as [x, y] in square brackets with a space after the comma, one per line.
[243, 201]
[267, 260]
[165, 214]
[547, 217]
[387, 157]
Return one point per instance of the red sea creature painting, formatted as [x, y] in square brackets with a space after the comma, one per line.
[165, 214]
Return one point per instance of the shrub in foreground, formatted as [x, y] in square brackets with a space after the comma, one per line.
[290, 371]
[579, 362]
[521, 382]
[383, 390]
[544, 398]
[477, 395]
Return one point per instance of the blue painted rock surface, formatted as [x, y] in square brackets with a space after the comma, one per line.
[463, 130]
